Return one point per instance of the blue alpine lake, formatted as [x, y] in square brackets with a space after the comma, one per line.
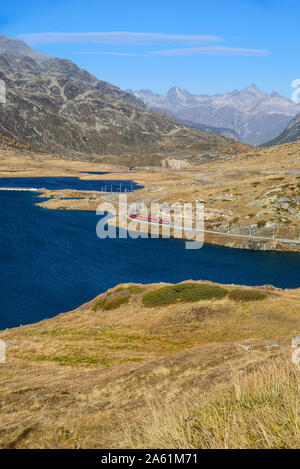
[74, 183]
[52, 260]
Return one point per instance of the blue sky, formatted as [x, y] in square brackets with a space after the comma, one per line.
[206, 46]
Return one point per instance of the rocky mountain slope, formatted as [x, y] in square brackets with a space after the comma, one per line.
[9, 46]
[290, 134]
[207, 128]
[54, 106]
[255, 116]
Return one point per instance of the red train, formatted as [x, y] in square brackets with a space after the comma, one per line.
[136, 216]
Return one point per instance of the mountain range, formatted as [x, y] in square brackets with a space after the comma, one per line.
[290, 134]
[194, 125]
[255, 117]
[54, 106]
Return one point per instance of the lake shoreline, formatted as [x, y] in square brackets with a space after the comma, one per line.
[56, 252]
[227, 188]
[258, 243]
[72, 199]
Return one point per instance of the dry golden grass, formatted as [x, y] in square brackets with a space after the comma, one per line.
[84, 378]
[256, 409]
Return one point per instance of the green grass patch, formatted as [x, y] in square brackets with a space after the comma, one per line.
[115, 299]
[261, 224]
[133, 289]
[109, 305]
[76, 360]
[246, 295]
[183, 292]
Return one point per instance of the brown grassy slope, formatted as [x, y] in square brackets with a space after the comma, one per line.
[255, 409]
[89, 378]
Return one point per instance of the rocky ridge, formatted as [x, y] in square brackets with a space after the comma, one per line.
[54, 106]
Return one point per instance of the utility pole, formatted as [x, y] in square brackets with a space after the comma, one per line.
[229, 221]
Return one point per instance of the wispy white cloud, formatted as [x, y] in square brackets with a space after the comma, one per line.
[120, 38]
[194, 51]
[222, 51]
[125, 54]
[143, 39]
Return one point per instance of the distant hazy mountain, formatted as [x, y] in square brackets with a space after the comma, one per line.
[54, 106]
[207, 128]
[290, 134]
[255, 116]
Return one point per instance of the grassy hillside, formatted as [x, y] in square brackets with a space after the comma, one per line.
[109, 373]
